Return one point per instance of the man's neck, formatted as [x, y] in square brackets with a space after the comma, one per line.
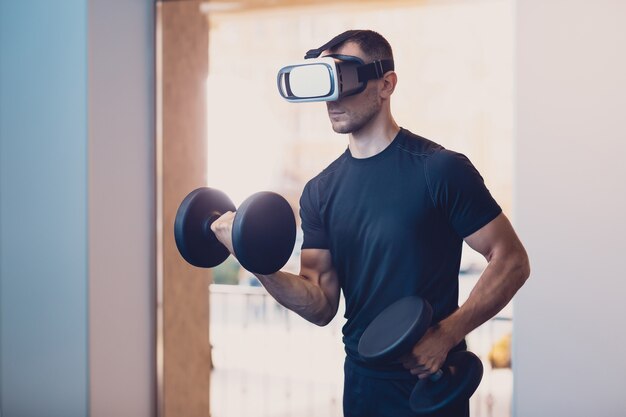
[373, 138]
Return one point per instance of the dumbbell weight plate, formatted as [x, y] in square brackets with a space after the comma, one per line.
[395, 330]
[194, 239]
[264, 232]
[462, 373]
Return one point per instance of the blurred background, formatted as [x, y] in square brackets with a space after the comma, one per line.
[111, 112]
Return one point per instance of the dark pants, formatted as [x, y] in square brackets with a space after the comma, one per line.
[369, 395]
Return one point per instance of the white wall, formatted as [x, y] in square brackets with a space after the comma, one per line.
[122, 360]
[570, 205]
[77, 218]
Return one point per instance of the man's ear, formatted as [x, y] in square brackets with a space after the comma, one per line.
[388, 84]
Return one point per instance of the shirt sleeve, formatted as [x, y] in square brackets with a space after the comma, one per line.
[459, 192]
[315, 236]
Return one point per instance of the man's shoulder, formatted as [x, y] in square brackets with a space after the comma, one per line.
[446, 161]
[417, 145]
[316, 185]
[439, 162]
[439, 157]
[331, 169]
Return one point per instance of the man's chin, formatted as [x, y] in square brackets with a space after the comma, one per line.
[341, 128]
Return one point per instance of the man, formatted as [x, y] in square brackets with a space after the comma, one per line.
[387, 219]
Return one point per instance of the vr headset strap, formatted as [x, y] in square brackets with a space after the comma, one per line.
[374, 70]
[314, 53]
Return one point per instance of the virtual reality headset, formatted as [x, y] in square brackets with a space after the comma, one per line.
[330, 77]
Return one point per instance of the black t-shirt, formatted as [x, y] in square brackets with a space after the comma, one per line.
[394, 224]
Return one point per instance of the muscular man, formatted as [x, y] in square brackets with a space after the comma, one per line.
[387, 219]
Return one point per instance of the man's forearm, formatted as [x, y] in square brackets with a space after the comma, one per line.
[496, 287]
[299, 294]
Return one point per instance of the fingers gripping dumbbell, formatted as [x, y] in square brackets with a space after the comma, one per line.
[263, 234]
[395, 331]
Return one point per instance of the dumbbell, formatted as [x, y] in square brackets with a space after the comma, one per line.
[263, 234]
[395, 331]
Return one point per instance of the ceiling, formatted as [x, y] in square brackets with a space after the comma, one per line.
[246, 5]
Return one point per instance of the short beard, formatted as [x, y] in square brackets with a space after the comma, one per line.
[359, 120]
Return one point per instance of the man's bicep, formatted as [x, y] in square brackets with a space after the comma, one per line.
[497, 236]
[316, 265]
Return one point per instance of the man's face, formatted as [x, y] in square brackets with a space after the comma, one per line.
[350, 114]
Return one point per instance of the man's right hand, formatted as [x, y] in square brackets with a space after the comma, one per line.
[223, 229]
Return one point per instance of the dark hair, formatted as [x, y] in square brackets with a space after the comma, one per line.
[373, 44]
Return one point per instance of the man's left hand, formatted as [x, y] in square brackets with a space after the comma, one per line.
[429, 354]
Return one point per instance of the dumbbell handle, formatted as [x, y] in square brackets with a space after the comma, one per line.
[206, 227]
[436, 376]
